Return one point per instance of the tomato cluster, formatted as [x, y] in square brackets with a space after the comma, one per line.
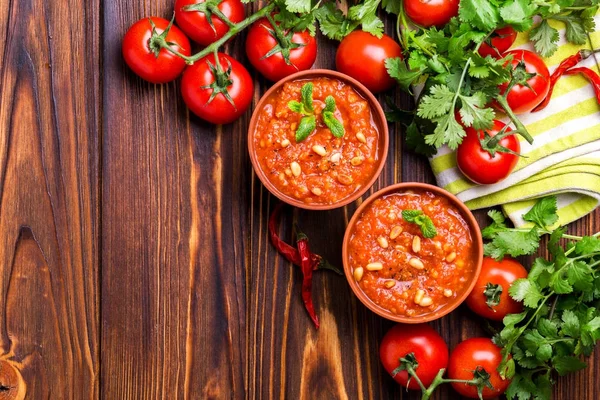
[215, 86]
[408, 350]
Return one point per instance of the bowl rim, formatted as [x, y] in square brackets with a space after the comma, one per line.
[477, 240]
[377, 113]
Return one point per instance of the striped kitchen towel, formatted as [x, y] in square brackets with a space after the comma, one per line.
[564, 158]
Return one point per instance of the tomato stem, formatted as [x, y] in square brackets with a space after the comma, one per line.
[234, 30]
[521, 129]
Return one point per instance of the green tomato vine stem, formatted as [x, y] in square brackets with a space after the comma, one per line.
[521, 129]
[233, 30]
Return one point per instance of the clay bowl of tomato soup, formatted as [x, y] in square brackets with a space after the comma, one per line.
[404, 273]
[322, 171]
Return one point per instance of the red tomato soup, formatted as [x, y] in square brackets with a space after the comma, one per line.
[402, 271]
[321, 169]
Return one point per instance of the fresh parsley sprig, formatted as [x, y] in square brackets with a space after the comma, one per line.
[423, 221]
[560, 322]
[308, 122]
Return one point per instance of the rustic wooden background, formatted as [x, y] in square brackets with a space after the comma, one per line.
[134, 254]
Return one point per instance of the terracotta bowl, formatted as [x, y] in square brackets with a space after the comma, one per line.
[378, 119]
[477, 242]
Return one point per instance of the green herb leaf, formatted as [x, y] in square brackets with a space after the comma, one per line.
[519, 14]
[415, 141]
[480, 13]
[397, 69]
[334, 125]
[567, 364]
[296, 106]
[307, 96]
[333, 23]
[329, 104]
[307, 125]
[513, 243]
[423, 221]
[589, 244]
[437, 103]
[298, 6]
[474, 113]
[543, 213]
[544, 38]
[526, 291]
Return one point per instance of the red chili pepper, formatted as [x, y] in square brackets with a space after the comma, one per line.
[307, 270]
[291, 253]
[591, 75]
[562, 69]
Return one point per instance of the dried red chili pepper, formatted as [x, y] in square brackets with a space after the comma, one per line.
[561, 70]
[291, 253]
[307, 270]
[591, 76]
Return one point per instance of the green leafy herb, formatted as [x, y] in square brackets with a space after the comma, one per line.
[423, 221]
[560, 321]
[306, 126]
[334, 124]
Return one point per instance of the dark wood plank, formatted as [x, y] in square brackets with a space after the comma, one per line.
[174, 223]
[49, 199]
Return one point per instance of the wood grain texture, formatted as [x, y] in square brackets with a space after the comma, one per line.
[135, 261]
[49, 181]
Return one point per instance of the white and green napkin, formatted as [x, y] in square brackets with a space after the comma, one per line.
[564, 158]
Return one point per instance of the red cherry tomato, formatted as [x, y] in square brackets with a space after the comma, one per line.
[522, 99]
[138, 51]
[362, 56]
[470, 355]
[478, 164]
[498, 274]
[260, 41]
[498, 43]
[218, 110]
[431, 12]
[196, 26]
[430, 350]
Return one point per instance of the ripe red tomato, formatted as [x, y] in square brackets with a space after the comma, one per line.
[496, 275]
[430, 350]
[478, 164]
[522, 99]
[139, 50]
[362, 56]
[199, 84]
[498, 43]
[260, 41]
[431, 12]
[470, 355]
[195, 24]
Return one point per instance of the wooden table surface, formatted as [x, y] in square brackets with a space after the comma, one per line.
[134, 255]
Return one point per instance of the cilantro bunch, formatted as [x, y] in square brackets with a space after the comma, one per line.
[459, 85]
[561, 297]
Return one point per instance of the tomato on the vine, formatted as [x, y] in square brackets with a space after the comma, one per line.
[218, 91]
[478, 164]
[430, 351]
[200, 19]
[362, 56]
[431, 12]
[530, 68]
[143, 53]
[490, 297]
[499, 42]
[279, 54]
[466, 361]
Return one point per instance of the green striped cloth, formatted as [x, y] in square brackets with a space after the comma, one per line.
[564, 158]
